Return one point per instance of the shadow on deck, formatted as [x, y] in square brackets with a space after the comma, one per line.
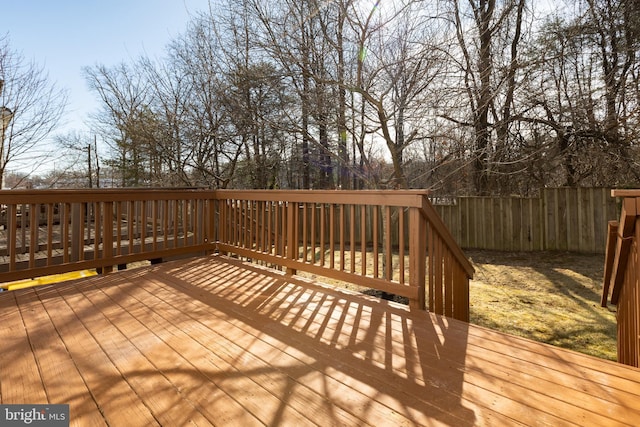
[215, 341]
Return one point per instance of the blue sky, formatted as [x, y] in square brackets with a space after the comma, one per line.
[66, 35]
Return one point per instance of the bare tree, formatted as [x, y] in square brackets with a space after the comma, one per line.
[480, 96]
[580, 96]
[489, 34]
[36, 106]
[399, 59]
[125, 120]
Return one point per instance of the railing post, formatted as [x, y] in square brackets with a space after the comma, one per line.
[76, 232]
[107, 240]
[209, 222]
[417, 256]
[223, 219]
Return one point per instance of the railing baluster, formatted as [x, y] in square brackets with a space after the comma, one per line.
[323, 232]
[352, 237]
[363, 239]
[431, 267]
[277, 235]
[118, 229]
[305, 230]
[98, 219]
[332, 238]
[23, 228]
[12, 213]
[50, 224]
[313, 234]
[261, 224]
[342, 220]
[292, 222]
[66, 239]
[376, 242]
[176, 222]
[34, 219]
[270, 232]
[154, 224]
[401, 245]
[185, 222]
[448, 283]
[437, 274]
[165, 224]
[388, 233]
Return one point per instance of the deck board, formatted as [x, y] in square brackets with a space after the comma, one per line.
[213, 341]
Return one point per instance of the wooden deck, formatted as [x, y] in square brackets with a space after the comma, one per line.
[214, 341]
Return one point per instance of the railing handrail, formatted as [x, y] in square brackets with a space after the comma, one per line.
[406, 198]
[100, 195]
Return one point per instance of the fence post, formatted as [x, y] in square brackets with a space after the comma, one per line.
[417, 256]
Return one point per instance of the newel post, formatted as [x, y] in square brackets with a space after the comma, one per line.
[77, 237]
[223, 212]
[107, 239]
[210, 231]
[417, 256]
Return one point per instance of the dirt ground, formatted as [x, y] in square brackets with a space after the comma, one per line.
[553, 297]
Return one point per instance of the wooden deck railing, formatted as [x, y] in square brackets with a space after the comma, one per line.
[391, 241]
[621, 284]
[57, 231]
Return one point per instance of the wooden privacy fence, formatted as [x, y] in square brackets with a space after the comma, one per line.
[560, 219]
[621, 283]
[392, 241]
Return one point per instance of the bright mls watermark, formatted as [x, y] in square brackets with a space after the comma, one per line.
[34, 415]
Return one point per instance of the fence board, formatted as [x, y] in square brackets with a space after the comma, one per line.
[563, 219]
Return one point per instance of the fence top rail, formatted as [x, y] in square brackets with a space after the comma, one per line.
[405, 198]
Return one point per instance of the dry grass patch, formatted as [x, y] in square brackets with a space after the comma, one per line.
[552, 297]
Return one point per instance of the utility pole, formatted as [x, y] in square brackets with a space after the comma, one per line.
[89, 164]
[95, 150]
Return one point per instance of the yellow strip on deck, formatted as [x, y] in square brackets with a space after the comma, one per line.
[47, 280]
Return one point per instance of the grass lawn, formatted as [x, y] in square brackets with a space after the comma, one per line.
[552, 297]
